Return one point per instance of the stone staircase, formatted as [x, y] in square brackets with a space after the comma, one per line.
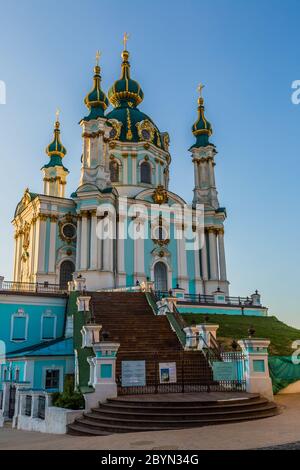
[129, 319]
[158, 413]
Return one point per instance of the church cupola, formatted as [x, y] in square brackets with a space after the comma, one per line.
[125, 91]
[202, 128]
[96, 100]
[54, 172]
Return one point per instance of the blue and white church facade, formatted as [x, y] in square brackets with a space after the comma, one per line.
[125, 155]
[125, 166]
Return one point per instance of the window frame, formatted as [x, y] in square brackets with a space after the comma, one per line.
[49, 314]
[145, 163]
[19, 314]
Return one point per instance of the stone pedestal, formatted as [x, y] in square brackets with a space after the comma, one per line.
[206, 331]
[256, 367]
[102, 373]
[90, 335]
[83, 303]
[219, 296]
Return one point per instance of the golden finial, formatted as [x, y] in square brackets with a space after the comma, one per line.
[200, 88]
[98, 55]
[125, 39]
[57, 112]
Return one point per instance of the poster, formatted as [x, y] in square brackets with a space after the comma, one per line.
[167, 372]
[133, 373]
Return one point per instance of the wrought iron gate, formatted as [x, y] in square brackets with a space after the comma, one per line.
[12, 401]
[190, 372]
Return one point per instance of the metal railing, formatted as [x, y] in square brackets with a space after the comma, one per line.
[28, 405]
[206, 299]
[41, 406]
[34, 287]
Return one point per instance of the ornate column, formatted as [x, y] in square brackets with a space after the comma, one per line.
[41, 243]
[181, 258]
[52, 247]
[94, 241]
[213, 252]
[196, 172]
[121, 251]
[133, 167]
[84, 235]
[139, 255]
[108, 233]
[78, 242]
[197, 252]
[203, 254]
[222, 260]
[125, 168]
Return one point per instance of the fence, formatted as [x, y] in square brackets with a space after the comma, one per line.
[178, 372]
[40, 288]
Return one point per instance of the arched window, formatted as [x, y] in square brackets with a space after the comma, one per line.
[114, 171]
[146, 173]
[66, 270]
[160, 277]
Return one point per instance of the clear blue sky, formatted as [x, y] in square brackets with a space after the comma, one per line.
[246, 53]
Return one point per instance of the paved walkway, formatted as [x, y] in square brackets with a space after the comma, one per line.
[270, 432]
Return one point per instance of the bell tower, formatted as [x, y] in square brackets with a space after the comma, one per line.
[55, 174]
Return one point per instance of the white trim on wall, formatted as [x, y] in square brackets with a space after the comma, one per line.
[19, 314]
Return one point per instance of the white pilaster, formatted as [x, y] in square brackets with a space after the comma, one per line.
[213, 254]
[94, 242]
[78, 244]
[222, 260]
[41, 243]
[52, 247]
[84, 234]
[133, 166]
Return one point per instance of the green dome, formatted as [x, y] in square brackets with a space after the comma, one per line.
[55, 150]
[96, 100]
[202, 129]
[134, 126]
[125, 90]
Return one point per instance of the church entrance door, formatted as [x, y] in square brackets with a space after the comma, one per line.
[160, 277]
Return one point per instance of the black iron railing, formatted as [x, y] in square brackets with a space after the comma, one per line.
[206, 299]
[28, 405]
[35, 287]
[41, 406]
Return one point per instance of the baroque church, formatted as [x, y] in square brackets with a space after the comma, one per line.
[124, 155]
[102, 282]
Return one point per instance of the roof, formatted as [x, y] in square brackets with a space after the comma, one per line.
[56, 347]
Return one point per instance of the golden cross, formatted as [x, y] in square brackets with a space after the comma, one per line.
[200, 88]
[98, 55]
[125, 39]
[57, 114]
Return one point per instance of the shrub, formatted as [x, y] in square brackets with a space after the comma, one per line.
[69, 398]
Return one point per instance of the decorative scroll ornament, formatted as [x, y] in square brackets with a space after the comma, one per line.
[166, 141]
[115, 131]
[146, 130]
[160, 195]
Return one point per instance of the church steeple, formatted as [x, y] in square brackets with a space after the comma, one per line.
[202, 128]
[54, 172]
[203, 153]
[125, 91]
[96, 100]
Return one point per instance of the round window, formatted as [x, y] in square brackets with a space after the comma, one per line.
[69, 231]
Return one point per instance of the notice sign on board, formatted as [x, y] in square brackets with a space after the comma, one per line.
[224, 371]
[133, 373]
[167, 372]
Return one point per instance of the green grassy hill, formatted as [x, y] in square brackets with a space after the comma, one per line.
[236, 327]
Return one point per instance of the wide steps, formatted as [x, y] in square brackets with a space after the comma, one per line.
[120, 416]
